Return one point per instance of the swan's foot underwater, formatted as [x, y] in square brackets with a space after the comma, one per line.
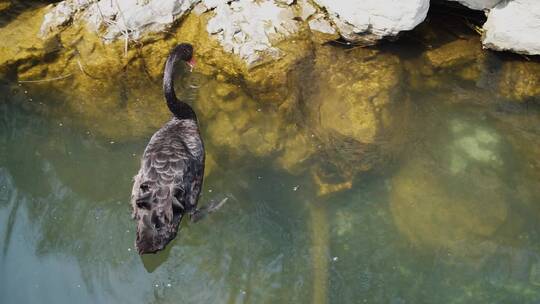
[201, 213]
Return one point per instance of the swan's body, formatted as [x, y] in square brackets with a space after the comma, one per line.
[169, 181]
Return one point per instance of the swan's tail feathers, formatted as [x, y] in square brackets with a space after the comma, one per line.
[213, 206]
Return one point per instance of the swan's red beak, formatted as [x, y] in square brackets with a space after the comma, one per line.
[191, 63]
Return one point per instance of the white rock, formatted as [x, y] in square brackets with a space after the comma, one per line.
[210, 4]
[200, 8]
[125, 18]
[306, 9]
[248, 28]
[478, 4]
[514, 26]
[61, 14]
[320, 24]
[132, 17]
[367, 21]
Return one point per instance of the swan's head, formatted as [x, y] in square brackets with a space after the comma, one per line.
[184, 52]
[157, 225]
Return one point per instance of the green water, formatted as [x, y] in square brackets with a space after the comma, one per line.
[449, 216]
[66, 231]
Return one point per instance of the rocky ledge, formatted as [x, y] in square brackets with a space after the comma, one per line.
[514, 26]
[251, 29]
[266, 76]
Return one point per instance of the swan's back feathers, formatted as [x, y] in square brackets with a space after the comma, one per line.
[170, 179]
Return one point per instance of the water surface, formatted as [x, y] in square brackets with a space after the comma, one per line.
[450, 217]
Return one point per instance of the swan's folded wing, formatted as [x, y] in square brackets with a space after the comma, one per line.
[192, 180]
[173, 159]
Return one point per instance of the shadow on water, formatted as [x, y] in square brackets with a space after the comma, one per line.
[152, 261]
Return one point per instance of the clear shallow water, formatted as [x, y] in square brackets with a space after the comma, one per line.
[452, 217]
[66, 230]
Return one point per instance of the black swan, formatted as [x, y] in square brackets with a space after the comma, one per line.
[169, 181]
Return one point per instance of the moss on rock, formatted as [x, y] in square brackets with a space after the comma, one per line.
[4, 5]
[454, 54]
[355, 108]
[431, 214]
[453, 195]
[520, 80]
[20, 42]
[238, 122]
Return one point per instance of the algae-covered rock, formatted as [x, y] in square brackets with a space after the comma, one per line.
[454, 195]
[520, 80]
[355, 107]
[453, 58]
[248, 30]
[274, 82]
[322, 29]
[106, 83]
[298, 147]
[453, 54]
[472, 145]
[4, 5]
[101, 84]
[237, 122]
[519, 125]
[352, 92]
[20, 41]
[331, 180]
[431, 213]
[244, 126]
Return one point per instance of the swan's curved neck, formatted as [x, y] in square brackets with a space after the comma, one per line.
[179, 108]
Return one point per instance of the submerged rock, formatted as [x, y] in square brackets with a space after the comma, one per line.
[366, 22]
[239, 124]
[23, 48]
[342, 109]
[356, 109]
[4, 5]
[453, 197]
[514, 26]
[432, 214]
[100, 83]
[518, 123]
[454, 54]
[298, 147]
[445, 57]
[520, 80]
